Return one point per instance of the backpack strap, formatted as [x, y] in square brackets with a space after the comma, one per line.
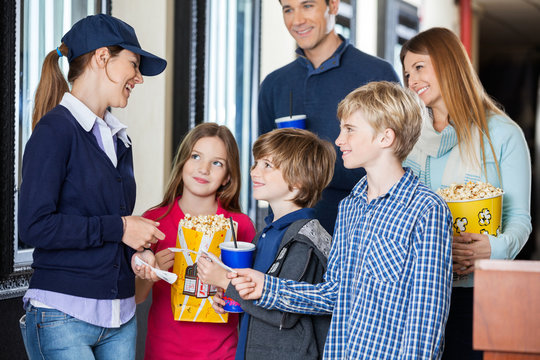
[291, 232]
[294, 229]
[286, 242]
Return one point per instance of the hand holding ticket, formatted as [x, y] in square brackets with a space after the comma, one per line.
[164, 275]
[214, 258]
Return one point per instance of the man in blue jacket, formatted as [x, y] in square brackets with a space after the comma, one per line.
[327, 69]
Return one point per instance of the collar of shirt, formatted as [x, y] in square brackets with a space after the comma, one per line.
[402, 191]
[284, 221]
[328, 64]
[86, 118]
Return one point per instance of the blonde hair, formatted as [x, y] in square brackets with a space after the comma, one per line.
[387, 105]
[227, 194]
[52, 84]
[461, 90]
[306, 161]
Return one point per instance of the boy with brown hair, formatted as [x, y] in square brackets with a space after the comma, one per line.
[291, 169]
[389, 274]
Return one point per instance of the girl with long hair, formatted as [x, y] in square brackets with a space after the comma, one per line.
[205, 180]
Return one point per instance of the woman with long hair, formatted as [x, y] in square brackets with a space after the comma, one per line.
[466, 138]
[77, 195]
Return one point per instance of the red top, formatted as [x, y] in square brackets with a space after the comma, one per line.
[170, 339]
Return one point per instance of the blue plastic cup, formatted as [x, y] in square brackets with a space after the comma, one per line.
[241, 257]
[295, 121]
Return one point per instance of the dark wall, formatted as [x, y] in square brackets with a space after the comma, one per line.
[511, 78]
[11, 343]
[142, 315]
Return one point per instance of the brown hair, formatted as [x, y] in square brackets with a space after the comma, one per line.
[327, 2]
[387, 105]
[228, 194]
[461, 90]
[52, 84]
[306, 161]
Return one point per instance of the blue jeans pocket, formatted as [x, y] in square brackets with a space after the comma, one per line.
[22, 326]
[51, 317]
[52, 334]
[28, 325]
[58, 330]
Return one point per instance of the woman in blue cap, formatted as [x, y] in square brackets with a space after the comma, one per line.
[77, 195]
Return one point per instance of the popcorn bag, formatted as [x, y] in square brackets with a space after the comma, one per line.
[191, 299]
[475, 207]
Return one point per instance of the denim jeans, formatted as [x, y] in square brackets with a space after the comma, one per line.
[52, 334]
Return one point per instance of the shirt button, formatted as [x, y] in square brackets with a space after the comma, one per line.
[263, 235]
[122, 207]
[119, 179]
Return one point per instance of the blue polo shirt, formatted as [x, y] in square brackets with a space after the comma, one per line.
[300, 89]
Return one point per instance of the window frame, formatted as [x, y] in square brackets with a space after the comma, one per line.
[12, 280]
[15, 263]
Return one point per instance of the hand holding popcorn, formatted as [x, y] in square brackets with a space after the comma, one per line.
[466, 249]
[218, 302]
[165, 259]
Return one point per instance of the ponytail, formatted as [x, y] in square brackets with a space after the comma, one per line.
[52, 85]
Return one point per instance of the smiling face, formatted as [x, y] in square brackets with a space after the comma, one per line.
[123, 73]
[309, 21]
[357, 142]
[421, 77]
[206, 169]
[268, 182]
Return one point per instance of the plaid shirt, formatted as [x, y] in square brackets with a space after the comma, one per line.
[388, 280]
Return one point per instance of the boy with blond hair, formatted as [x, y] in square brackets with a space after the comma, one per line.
[291, 169]
[389, 273]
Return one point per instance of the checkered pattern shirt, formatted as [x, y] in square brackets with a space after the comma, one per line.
[389, 276]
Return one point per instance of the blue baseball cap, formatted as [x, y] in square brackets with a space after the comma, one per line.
[101, 30]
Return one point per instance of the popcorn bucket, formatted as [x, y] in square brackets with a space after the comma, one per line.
[191, 299]
[480, 216]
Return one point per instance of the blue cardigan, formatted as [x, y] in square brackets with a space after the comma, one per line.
[316, 93]
[515, 167]
[70, 205]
